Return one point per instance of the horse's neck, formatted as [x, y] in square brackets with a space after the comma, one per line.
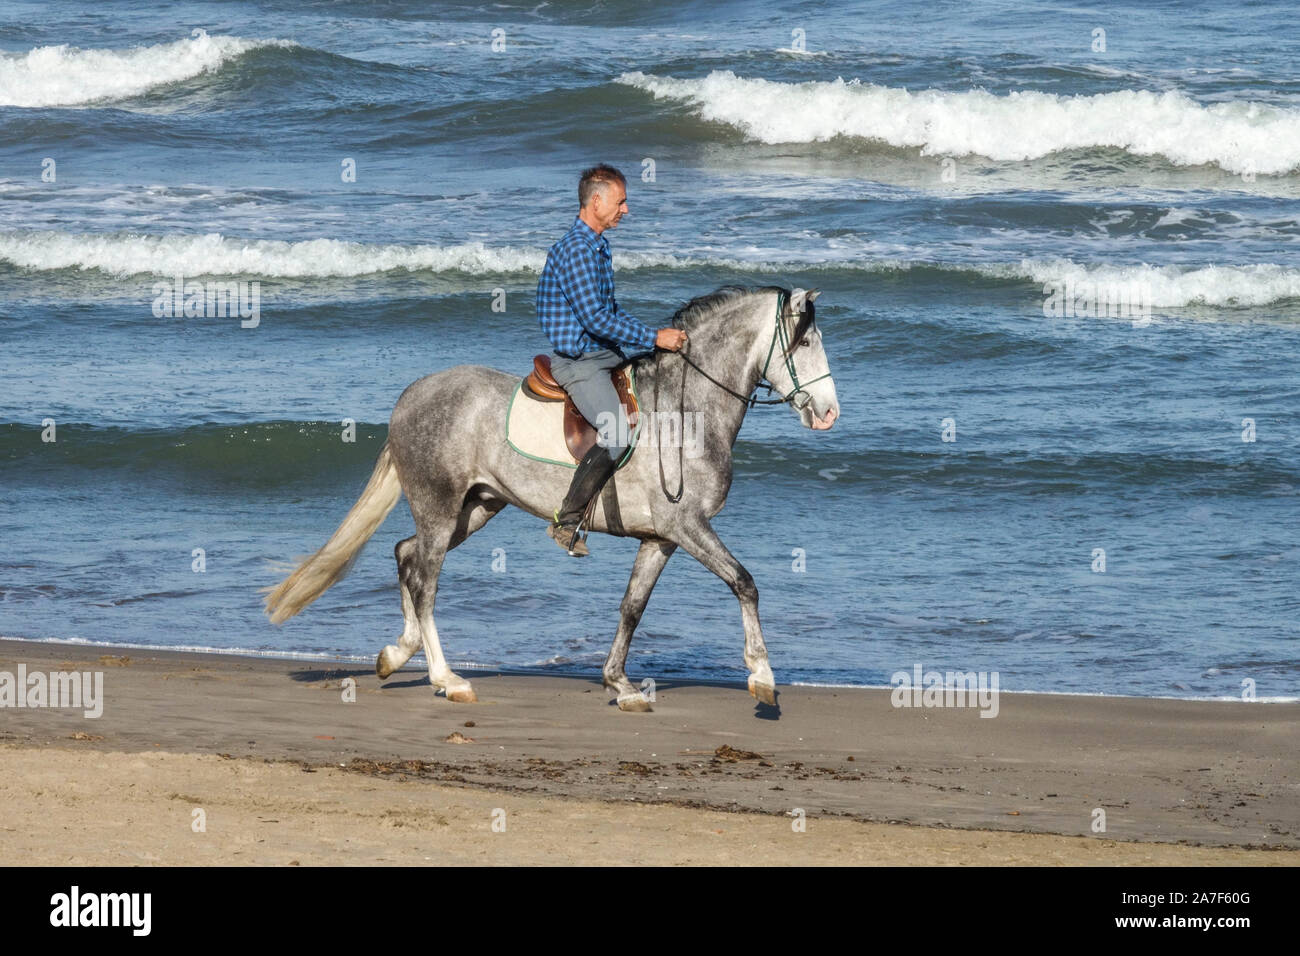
[726, 346]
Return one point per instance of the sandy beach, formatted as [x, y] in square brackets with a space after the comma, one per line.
[279, 767]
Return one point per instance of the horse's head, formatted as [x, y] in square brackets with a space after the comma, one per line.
[798, 364]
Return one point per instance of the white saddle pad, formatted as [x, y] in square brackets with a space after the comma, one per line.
[535, 429]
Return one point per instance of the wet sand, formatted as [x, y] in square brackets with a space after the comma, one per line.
[285, 769]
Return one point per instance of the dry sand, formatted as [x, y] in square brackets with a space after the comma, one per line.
[285, 770]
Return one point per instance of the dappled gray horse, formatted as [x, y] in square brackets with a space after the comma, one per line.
[447, 450]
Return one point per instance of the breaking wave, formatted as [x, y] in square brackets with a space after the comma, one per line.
[1240, 137]
[68, 76]
[119, 254]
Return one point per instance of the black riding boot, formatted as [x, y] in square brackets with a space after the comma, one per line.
[593, 471]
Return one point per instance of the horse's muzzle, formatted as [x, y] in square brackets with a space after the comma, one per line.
[824, 423]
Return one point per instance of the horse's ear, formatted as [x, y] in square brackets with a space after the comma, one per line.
[801, 298]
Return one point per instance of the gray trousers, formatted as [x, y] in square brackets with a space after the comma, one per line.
[586, 379]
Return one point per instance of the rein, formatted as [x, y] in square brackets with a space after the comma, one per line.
[779, 333]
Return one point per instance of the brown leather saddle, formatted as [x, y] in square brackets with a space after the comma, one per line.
[579, 434]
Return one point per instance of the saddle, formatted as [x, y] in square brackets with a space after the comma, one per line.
[579, 434]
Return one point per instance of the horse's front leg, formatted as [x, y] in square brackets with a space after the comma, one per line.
[702, 543]
[650, 560]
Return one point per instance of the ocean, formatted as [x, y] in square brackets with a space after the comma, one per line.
[1059, 256]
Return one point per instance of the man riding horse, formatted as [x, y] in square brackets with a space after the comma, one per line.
[449, 452]
[592, 336]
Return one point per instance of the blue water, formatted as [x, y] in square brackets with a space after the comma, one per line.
[933, 173]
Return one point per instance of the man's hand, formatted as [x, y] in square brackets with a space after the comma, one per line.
[670, 339]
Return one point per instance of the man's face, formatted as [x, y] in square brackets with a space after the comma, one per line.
[609, 204]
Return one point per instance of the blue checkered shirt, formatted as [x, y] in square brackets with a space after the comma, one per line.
[575, 299]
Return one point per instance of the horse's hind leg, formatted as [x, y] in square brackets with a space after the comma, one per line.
[394, 656]
[419, 574]
[478, 509]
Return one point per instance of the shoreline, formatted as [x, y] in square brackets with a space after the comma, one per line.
[1168, 775]
[471, 669]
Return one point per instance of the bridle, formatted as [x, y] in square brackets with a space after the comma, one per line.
[779, 334]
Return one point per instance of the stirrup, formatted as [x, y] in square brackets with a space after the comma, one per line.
[579, 535]
[576, 546]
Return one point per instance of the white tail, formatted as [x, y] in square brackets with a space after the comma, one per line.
[315, 575]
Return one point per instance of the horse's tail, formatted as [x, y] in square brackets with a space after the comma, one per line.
[317, 573]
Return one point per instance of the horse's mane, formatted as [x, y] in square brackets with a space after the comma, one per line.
[703, 307]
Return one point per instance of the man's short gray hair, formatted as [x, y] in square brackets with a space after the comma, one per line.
[595, 178]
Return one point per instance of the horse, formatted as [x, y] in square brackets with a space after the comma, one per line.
[447, 449]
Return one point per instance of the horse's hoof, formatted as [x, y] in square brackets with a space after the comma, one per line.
[462, 695]
[765, 693]
[634, 703]
[382, 667]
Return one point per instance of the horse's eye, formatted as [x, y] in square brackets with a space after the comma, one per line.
[807, 341]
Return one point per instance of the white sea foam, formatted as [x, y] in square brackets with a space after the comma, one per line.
[1063, 693]
[196, 649]
[212, 254]
[1241, 137]
[1177, 217]
[68, 76]
[119, 254]
[271, 653]
[1172, 286]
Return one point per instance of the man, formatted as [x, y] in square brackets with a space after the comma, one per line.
[592, 336]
